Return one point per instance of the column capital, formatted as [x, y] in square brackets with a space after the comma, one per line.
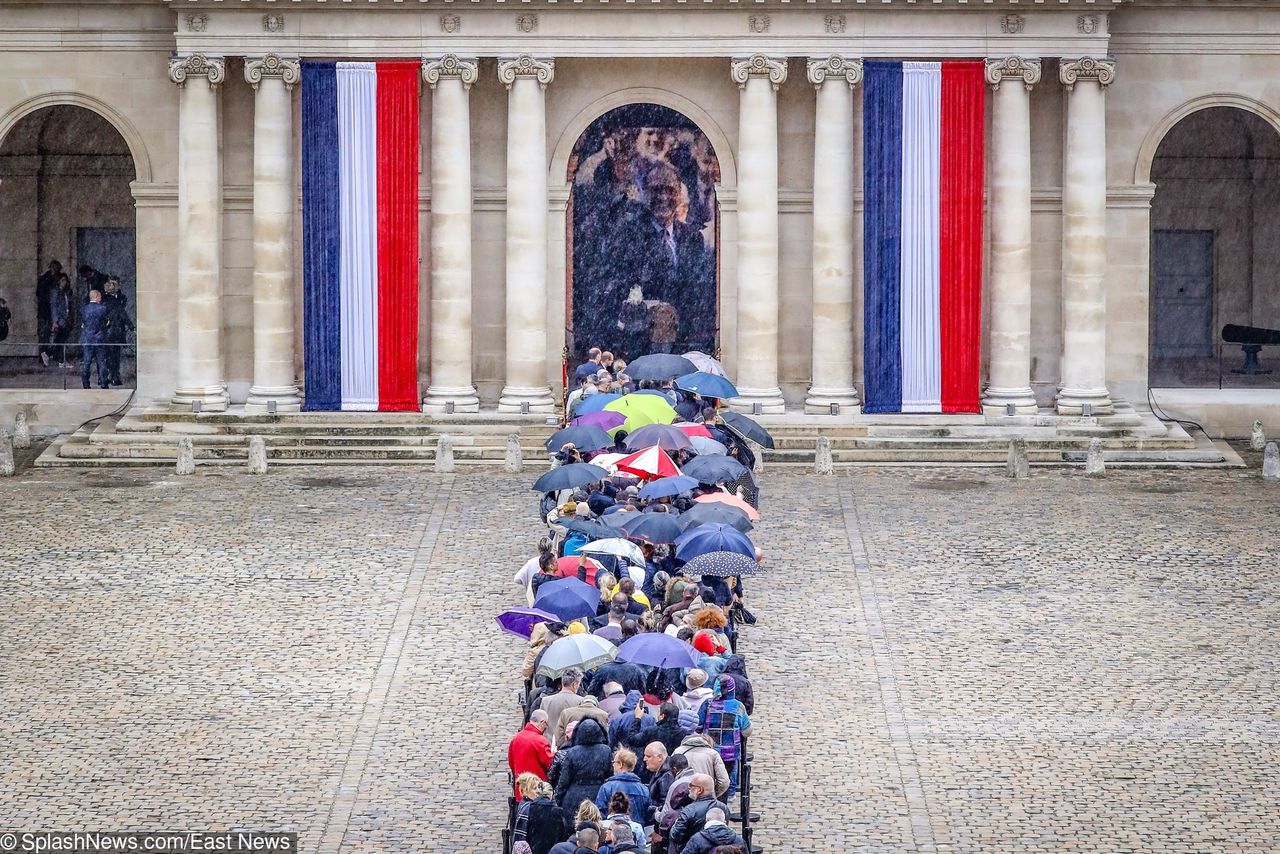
[1013, 68]
[510, 68]
[272, 66]
[214, 68]
[743, 68]
[834, 67]
[450, 66]
[1086, 68]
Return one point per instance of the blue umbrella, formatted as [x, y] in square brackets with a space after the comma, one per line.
[595, 403]
[653, 527]
[707, 385]
[583, 438]
[590, 527]
[722, 565]
[665, 486]
[567, 598]
[715, 469]
[658, 649]
[706, 514]
[714, 537]
[568, 477]
[520, 621]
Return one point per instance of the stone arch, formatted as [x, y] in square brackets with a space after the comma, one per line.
[642, 95]
[1151, 144]
[130, 135]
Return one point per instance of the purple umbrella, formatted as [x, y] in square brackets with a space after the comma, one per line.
[604, 420]
[520, 621]
[657, 649]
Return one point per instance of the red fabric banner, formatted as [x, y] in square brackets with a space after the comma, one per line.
[398, 236]
[962, 184]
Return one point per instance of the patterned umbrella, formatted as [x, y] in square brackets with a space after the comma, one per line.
[705, 363]
[722, 565]
[649, 463]
[658, 649]
[520, 621]
[586, 652]
[714, 537]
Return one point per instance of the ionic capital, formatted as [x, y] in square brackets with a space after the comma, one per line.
[835, 67]
[1086, 68]
[743, 68]
[213, 68]
[272, 66]
[1013, 68]
[510, 68]
[450, 66]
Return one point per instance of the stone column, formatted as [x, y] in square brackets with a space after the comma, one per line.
[526, 382]
[1084, 237]
[199, 233]
[273, 79]
[1009, 375]
[450, 79]
[833, 279]
[758, 77]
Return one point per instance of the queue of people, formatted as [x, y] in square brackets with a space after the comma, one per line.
[637, 701]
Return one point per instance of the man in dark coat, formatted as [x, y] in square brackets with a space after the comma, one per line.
[46, 286]
[714, 833]
[629, 676]
[119, 325]
[584, 768]
[694, 816]
[93, 331]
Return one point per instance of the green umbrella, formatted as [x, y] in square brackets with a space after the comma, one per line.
[642, 409]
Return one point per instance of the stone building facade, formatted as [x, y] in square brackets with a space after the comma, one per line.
[193, 107]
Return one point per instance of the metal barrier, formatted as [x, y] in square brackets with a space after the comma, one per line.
[22, 367]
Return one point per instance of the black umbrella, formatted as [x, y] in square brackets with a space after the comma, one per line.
[713, 514]
[721, 565]
[746, 428]
[653, 527]
[591, 528]
[660, 366]
[569, 477]
[584, 437]
[715, 468]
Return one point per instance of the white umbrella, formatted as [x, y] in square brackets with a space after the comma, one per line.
[606, 461]
[585, 651]
[705, 363]
[618, 547]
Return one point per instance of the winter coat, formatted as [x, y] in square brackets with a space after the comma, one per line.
[542, 823]
[724, 720]
[586, 765]
[705, 759]
[629, 784]
[586, 708]
[629, 676]
[668, 731]
[736, 666]
[659, 786]
[626, 729]
[529, 752]
[553, 706]
[706, 840]
[692, 819]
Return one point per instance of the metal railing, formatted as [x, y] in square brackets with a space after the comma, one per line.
[21, 365]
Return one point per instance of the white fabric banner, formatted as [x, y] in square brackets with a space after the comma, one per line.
[920, 328]
[358, 206]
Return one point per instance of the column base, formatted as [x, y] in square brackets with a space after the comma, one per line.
[213, 398]
[438, 397]
[286, 397]
[539, 399]
[995, 401]
[1071, 401]
[770, 400]
[820, 399]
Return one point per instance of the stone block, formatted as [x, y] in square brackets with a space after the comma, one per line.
[1257, 438]
[257, 455]
[1094, 464]
[1017, 466]
[1271, 463]
[21, 431]
[444, 454]
[822, 462]
[514, 461]
[6, 455]
[186, 463]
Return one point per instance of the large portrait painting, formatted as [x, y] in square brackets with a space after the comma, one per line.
[644, 271]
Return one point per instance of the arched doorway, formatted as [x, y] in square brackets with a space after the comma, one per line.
[1215, 247]
[68, 211]
[643, 235]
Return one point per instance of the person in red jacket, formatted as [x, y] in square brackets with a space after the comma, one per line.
[529, 750]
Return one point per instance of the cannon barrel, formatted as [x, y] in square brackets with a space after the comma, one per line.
[1257, 335]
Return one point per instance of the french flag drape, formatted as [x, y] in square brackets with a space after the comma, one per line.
[923, 125]
[360, 235]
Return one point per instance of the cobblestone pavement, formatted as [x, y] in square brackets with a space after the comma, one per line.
[946, 661]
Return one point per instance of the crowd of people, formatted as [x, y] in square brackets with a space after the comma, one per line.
[618, 756]
[92, 316]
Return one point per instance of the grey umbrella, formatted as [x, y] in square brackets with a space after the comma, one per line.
[660, 366]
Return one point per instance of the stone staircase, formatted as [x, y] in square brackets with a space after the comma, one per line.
[150, 437]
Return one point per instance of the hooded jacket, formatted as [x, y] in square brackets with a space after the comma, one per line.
[692, 819]
[736, 667]
[626, 729]
[586, 765]
[711, 836]
[705, 759]
[724, 720]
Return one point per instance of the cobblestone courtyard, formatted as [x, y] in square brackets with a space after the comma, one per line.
[946, 660]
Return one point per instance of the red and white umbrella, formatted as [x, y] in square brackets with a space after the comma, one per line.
[648, 463]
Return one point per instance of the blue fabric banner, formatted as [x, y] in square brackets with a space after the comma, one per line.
[322, 364]
[882, 235]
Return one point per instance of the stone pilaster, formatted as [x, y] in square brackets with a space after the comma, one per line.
[758, 78]
[273, 79]
[526, 78]
[200, 372]
[833, 256]
[450, 79]
[1084, 237]
[1009, 375]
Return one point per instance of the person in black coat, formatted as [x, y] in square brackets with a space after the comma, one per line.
[585, 767]
[630, 676]
[540, 821]
[694, 816]
[737, 668]
[119, 325]
[93, 331]
[665, 730]
[713, 834]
